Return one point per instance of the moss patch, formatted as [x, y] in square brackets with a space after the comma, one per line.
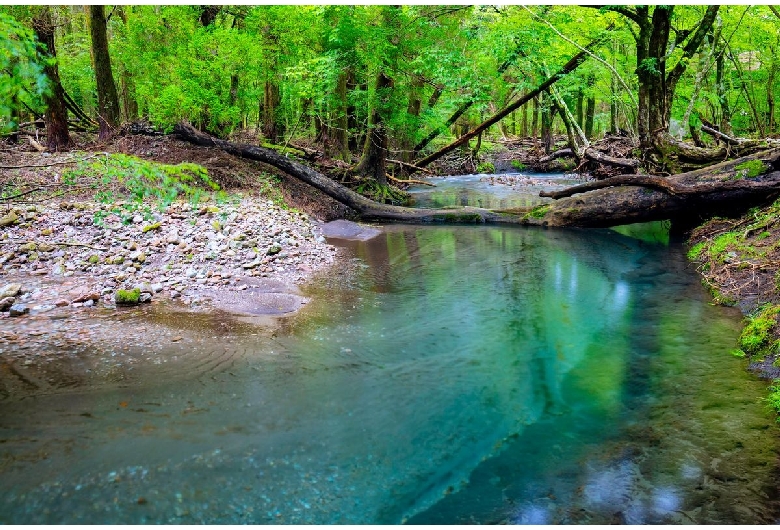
[127, 297]
[538, 212]
[750, 169]
[757, 339]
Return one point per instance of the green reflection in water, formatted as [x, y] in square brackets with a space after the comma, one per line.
[463, 374]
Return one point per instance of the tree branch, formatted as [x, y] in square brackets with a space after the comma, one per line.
[692, 45]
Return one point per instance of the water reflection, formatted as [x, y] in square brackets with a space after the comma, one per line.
[461, 374]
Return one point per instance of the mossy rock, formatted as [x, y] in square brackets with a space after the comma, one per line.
[756, 339]
[128, 297]
[93, 259]
[9, 219]
[150, 227]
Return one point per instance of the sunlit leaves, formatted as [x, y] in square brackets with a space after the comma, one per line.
[21, 69]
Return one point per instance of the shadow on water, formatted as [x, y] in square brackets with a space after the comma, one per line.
[448, 375]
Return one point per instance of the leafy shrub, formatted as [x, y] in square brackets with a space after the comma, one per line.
[124, 177]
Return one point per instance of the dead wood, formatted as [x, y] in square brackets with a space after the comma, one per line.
[725, 189]
[409, 181]
[728, 188]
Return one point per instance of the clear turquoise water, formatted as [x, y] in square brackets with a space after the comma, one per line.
[449, 375]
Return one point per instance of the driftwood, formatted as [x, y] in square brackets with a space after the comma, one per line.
[410, 181]
[728, 188]
[594, 155]
[366, 208]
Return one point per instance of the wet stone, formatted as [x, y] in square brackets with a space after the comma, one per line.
[18, 310]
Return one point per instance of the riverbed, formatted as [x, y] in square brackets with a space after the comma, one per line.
[439, 375]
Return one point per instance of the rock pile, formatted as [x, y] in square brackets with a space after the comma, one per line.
[172, 253]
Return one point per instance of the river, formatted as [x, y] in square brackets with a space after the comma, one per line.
[443, 374]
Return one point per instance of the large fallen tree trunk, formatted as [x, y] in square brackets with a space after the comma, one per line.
[728, 188]
[365, 208]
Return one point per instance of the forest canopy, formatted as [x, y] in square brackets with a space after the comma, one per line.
[406, 79]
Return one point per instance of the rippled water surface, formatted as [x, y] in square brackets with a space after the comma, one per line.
[449, 375]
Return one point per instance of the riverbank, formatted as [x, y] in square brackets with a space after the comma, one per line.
[739, 260]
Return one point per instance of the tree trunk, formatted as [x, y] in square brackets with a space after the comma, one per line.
[725, 189]
[547, 119]
[108, 101]
[535, 123]
[723, 100]
[341, 128]
[373, 162]
[590, 112]
[57, 135]
[580, 108]
[412, 110]
[613, 108]
[272, 129]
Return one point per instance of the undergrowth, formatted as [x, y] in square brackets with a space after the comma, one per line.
[739, 260]
[120, 177]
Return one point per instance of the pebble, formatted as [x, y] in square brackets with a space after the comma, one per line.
[185, 252]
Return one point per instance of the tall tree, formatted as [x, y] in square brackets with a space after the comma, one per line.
[657, 79]
[108, 100]
[56, 117]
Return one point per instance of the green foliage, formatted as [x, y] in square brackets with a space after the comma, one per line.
[486, 168]
[519, 166]
[132, 181]
[773, 400]
[21, 69]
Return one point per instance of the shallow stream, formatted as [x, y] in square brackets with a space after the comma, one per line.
[444, 374]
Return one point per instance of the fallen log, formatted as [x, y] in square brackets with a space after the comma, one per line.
[593, 155]
[728, 188]
[366, 208]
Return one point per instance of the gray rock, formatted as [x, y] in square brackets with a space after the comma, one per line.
[12, 289]
[18, 310]
[144, 288]
[145, 298]
[157, 287]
